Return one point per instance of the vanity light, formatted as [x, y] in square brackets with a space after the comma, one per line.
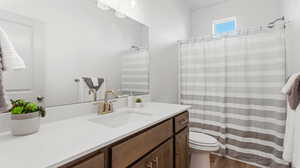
[118, 6]
[103, 7]
[119, 14]
[133, 3]
[101, 4]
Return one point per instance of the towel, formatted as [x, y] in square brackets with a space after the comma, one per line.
[296, 147]
[83, 92]
[294, 94]
[291, 147]
[93, 83]
[10, 59]
[292, 90]
[4, 105]
[288, 86]
[288, 145]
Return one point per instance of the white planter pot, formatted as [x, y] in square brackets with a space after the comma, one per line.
[25, 124]
[139, 105]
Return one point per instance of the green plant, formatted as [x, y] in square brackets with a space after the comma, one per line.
[138, 100]
[20, 106]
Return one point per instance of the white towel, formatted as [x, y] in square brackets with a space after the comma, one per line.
[291, 151]
[289, 136]
[288, 86]
[95, 81]
[10, 58]
[296, 147]
[291, 146]
[83, 92]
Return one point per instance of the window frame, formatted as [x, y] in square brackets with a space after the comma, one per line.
[224, 20]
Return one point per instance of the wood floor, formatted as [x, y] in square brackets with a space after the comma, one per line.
[220, 162]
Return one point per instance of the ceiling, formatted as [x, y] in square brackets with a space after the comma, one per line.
[196, 4]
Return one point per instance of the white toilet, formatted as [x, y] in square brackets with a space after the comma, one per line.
[201, 145]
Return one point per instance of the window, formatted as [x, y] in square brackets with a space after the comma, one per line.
[227, 25]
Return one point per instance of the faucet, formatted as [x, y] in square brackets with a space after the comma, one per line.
[107, 106]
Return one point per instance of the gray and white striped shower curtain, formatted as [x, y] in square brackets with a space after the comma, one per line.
[135, 72]
[233, 84]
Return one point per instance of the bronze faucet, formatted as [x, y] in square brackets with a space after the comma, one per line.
[107, 106]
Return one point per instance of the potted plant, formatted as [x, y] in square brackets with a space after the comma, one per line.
[139, 103]
[25, 117]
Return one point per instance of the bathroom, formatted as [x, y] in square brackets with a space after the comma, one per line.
[149, 83]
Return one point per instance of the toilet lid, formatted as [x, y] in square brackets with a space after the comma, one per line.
[200, 138]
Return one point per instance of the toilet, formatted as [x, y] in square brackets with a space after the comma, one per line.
[201, 145]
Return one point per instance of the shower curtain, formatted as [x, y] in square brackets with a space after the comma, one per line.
[135, 72]
[233, 84]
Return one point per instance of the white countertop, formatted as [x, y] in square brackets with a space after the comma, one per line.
[60, 142]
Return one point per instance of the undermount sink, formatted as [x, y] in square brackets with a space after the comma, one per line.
[119, 119]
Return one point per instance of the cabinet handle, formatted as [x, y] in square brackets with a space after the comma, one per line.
[149, 165]
[184, 122]
[156, 161]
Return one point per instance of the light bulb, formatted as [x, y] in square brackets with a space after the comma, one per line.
[133, 3]
[119, 14]
[102, 6]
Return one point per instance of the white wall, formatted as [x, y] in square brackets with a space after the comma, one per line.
[81, 40]
[249, 13]
[291, 11]
[169, 21]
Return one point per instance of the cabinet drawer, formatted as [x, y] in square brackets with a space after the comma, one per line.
[182, 149]
[181, 121]
[97, 161]
[131, 150]
[162, 157]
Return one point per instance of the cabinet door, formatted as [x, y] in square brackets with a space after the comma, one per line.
[182, 149]
[181, 121]
[128, 152]
[97, 161]
[162, 157]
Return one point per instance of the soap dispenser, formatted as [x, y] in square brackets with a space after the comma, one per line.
[131, 100]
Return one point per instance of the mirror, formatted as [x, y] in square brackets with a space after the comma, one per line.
[66, 45]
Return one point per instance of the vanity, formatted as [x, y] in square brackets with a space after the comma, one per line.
[162, 145]
[155, 136]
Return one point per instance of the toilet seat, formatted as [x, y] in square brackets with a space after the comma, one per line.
[203, 142]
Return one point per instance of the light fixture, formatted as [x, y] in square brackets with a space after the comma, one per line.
[102, 5]
[119, 14]
[120, 7]
[133, 3]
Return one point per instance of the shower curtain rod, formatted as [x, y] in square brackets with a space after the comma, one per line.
[261, 28]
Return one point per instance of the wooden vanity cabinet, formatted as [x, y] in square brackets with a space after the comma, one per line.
[94, 160]
[181, 140]
[162, 157]
[181, 121]
[127, 152]
[164, 145]
[182, 149]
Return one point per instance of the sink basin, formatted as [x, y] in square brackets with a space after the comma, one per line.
[119, 119]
